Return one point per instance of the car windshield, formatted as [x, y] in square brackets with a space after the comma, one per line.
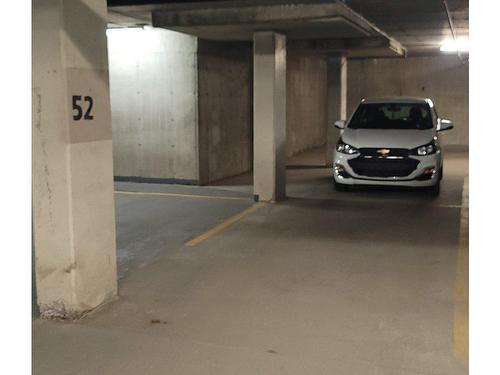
[392, 116]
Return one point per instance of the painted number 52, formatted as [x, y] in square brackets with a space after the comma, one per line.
[77, 100]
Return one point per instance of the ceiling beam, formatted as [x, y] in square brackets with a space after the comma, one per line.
[368, 47]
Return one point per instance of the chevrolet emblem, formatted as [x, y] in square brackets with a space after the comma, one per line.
[383, 152]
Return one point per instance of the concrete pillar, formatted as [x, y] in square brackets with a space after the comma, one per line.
[337, 101]
[73, 207]
[269, 116]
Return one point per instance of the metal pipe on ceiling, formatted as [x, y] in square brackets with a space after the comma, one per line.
[452, 28]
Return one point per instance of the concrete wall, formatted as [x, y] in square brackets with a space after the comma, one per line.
[153, 84]
[182, 108]
[444, 79]
[225, 109]
[225, 83]
[306, 102]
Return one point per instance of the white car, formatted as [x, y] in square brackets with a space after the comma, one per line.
[391, 141]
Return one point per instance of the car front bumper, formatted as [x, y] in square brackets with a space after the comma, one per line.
[426, 173]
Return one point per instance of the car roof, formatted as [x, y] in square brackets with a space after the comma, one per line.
[398, 99]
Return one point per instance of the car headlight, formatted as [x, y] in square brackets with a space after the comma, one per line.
[345, 148]
[428, 149]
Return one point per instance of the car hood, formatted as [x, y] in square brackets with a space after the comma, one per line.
[387, 137]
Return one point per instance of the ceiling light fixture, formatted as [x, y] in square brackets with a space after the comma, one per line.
[458, 45]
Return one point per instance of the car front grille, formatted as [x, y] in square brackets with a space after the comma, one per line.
[370, 165]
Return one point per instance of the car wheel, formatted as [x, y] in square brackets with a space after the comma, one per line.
[340, 187]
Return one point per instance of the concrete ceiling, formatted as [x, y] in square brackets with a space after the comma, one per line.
[418, 25]
[316, 26]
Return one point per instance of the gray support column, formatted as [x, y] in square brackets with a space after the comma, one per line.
[269, 116]
[337, 101]
[73, 207]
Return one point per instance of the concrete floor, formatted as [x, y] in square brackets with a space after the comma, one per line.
[324, 283]
[148, 226]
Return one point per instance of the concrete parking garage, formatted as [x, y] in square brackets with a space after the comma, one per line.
[232, 253]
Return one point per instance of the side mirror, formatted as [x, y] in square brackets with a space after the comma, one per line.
[444, 125]
[340, 124]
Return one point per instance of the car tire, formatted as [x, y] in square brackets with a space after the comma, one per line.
[340, 187]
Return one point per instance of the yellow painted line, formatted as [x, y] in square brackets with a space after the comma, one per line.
[178, 195]
[461, 287]
[225, 224]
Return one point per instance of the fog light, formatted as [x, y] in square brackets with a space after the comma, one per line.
[340, 171]
[427, 174]
[431, 170]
